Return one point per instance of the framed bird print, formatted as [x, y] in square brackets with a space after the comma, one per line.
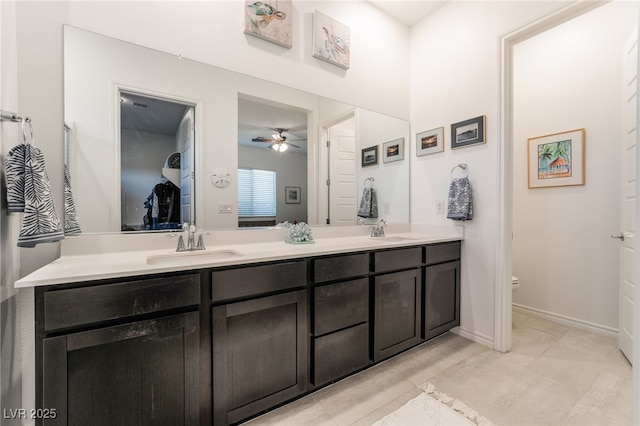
[269, 20]
[331, 40]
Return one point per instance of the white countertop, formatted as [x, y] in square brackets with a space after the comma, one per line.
[102, 264]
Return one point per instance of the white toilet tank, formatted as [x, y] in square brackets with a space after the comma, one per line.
[515, 282]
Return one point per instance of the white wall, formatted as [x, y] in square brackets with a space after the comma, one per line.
[455, 76]
[291, 170]
[16, 306]
[566, 78]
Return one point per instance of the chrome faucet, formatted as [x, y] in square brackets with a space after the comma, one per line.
[191, 244]
[378, 230]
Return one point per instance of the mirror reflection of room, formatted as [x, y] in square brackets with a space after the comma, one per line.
[156, 137]
[272, 163]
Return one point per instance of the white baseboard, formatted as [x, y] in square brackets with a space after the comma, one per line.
[565, 320]
[474, 337]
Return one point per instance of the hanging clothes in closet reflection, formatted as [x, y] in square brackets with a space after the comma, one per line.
[163, 203]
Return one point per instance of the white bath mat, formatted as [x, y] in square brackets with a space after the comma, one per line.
[433, 408]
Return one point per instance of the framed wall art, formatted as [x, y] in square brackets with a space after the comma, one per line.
[430, 142]
[468, 132]
[269, 20]
[292, 194]
[331, 40]
[370, 156]
[556, 159]
[393, 151]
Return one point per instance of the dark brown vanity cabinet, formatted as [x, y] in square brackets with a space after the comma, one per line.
[221, 345]
[340, 306]
[442, 288]
[260, 338]
[122, 353]
[397, 300]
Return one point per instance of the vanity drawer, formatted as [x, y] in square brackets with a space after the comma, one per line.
[340, 305]
[255, 280]
[439, 253]
[340, 267]
[338, 354]
[395, 260]
[86, 305]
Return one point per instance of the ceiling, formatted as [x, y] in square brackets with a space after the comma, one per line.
[262, 118]
[408, 12]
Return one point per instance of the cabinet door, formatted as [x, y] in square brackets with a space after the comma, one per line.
[143, 373]
[442, 298]
[260, 354]
[398, 309]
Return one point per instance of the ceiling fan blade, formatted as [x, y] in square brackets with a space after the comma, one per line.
[295, 146]
[262, 139]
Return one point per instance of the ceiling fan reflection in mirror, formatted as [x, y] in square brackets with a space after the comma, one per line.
[278, 142]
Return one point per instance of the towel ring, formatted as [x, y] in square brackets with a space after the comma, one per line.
[26, 121]
[369, 179]
[463, 167]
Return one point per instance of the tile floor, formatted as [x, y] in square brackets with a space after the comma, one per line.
[555, 375]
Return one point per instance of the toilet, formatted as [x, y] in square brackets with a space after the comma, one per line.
[515, 282]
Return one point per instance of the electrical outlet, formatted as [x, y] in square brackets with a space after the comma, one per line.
[225, 209]
[440, 207]
[386, 208]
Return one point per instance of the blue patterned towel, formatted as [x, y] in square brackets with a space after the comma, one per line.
[368, 204]
[29, 190]
[460, 206]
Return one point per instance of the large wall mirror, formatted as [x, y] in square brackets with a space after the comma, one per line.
[127, 175]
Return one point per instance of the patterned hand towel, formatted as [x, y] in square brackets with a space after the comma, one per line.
[71, 224]
[368, 204]
[26, 171]
[14, 172]
[460, 205]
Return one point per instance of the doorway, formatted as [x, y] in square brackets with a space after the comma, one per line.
[342, 171]
[503, 296]
[156, 162]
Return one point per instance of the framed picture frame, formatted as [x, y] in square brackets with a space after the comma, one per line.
[370, 156]
[292, 194]
[393, 151]
[331, 40]
[430, 142]
[556, 159]
[269, 20]
[468, 132]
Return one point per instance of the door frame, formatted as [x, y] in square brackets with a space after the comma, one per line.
[324, 191]
[118, 89]
[503, 290]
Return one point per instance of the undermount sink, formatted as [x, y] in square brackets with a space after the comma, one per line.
[189, 257]
[392, 239]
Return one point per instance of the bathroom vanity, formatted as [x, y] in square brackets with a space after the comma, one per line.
[220, 341]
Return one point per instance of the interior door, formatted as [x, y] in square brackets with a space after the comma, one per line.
[343, 173]
[186, 139]
[627, 236]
